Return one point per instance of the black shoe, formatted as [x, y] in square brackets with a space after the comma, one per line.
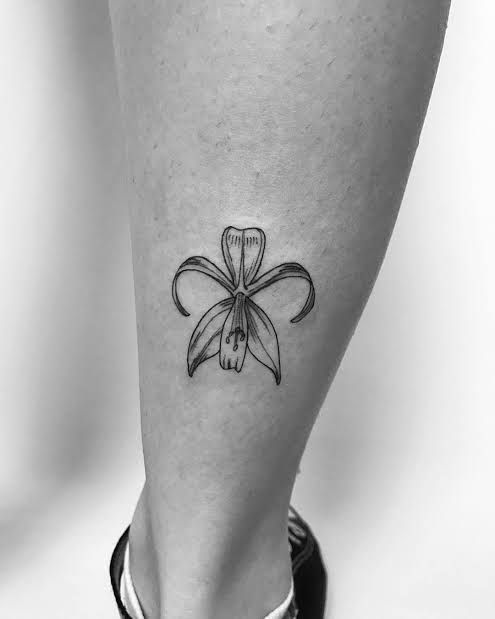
[310, 578]
[308, 570]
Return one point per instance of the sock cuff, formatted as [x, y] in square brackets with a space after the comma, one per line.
[127, 592]
[281, 611]
[133, 607]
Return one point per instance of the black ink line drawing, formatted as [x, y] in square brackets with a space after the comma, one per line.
[237, 323]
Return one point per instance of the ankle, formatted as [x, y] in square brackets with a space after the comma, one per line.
[143, 562]
[197, 577]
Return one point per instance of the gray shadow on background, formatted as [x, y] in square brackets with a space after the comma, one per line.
[84, 381]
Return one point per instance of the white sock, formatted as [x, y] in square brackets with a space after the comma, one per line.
[127, 591]
[133, 607]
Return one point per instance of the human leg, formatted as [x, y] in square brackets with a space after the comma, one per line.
[297, 122]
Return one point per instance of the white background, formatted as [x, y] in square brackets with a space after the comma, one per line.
[398, 479]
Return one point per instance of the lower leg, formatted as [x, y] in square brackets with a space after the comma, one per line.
[299, 123]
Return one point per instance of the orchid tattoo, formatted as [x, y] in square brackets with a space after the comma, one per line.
[237, 323]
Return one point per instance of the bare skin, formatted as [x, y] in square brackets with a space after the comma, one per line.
[300, 119]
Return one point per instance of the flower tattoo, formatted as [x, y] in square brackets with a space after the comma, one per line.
[237, 323]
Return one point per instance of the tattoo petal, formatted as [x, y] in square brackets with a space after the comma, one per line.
[243, 252]
[283, 271]
[263, 341]
[233, 343]
[205, 340]
[201, 265]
